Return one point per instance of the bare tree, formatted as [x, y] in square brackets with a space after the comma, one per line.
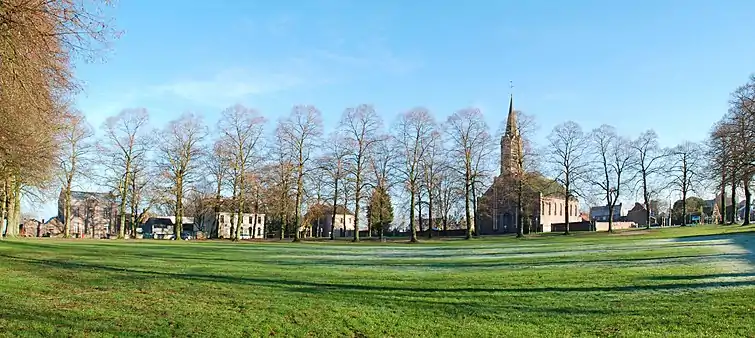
[449, 191]
[143, 191]
[383, 165]
[361, 126]
[126, 140]
[568, 150]
[38, 42]
[180, 150]
[333, 162]
[648, 162]
[73, 160]
[684, 171]
[741, 116]
[300, 133]
[414, 134]
[613, 158]
[720, 157]
[469, 141]
[217, 164]
[241, 129]
[431, 169]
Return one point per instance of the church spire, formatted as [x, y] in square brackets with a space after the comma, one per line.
[511, 127]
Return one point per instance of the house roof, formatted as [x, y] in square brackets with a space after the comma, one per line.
[637, 207]
[328, 209]
[84, 195]
[169, 220]
[603, 209]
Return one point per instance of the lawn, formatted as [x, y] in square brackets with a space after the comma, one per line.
[685, 282]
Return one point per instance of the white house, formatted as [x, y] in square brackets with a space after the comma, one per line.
[223, 224]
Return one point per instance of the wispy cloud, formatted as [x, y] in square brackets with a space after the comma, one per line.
[228, 86]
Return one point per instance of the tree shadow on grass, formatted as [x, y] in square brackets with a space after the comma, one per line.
[745, 241]
[134, 274]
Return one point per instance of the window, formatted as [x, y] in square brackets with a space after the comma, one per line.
[560, 209]
[222, 218]
[259, 231]
[542, 208]
[259, 220]
[549, 208]
[250, 220]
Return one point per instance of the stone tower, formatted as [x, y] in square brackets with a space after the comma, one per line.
[511, 144]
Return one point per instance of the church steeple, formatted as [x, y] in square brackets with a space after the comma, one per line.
[511, 144]
[511, 127]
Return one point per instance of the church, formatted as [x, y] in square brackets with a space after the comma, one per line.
[543, 207]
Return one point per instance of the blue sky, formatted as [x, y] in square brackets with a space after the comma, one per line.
[667, 65]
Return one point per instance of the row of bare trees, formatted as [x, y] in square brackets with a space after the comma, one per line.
[187, 163]
[436, 167]
[39, 43]
[731, 152]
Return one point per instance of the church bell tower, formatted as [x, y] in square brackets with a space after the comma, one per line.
[511, 145]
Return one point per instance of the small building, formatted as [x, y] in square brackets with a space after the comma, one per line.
[600, 213]
[638, 214]
[222, 224]
[161, 227]
[320, 220]
[93, 215]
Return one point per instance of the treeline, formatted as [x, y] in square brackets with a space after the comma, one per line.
[189, 167]
[731, 151]
[39, 42]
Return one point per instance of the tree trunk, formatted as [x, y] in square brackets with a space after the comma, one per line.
[467, 211]
[177, 227]
[413, 227]
[431, 221]
[335, 207]
[733, 218]
[67, 211]
[122, 208]
[445, 225]
[419, 212]
[297, 205]
[684, 208]
[283, 226]
[722, 209]
[519, 211]
[4, 208]
[12, 210]
[238, 194]
[646, 198]
[748, 202]
[610, 216]
[357, 199]
[567, 194]
[474, 209]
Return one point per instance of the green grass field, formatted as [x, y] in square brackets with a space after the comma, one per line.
[685, 282]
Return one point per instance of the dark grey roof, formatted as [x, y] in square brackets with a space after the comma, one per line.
[83, 195]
